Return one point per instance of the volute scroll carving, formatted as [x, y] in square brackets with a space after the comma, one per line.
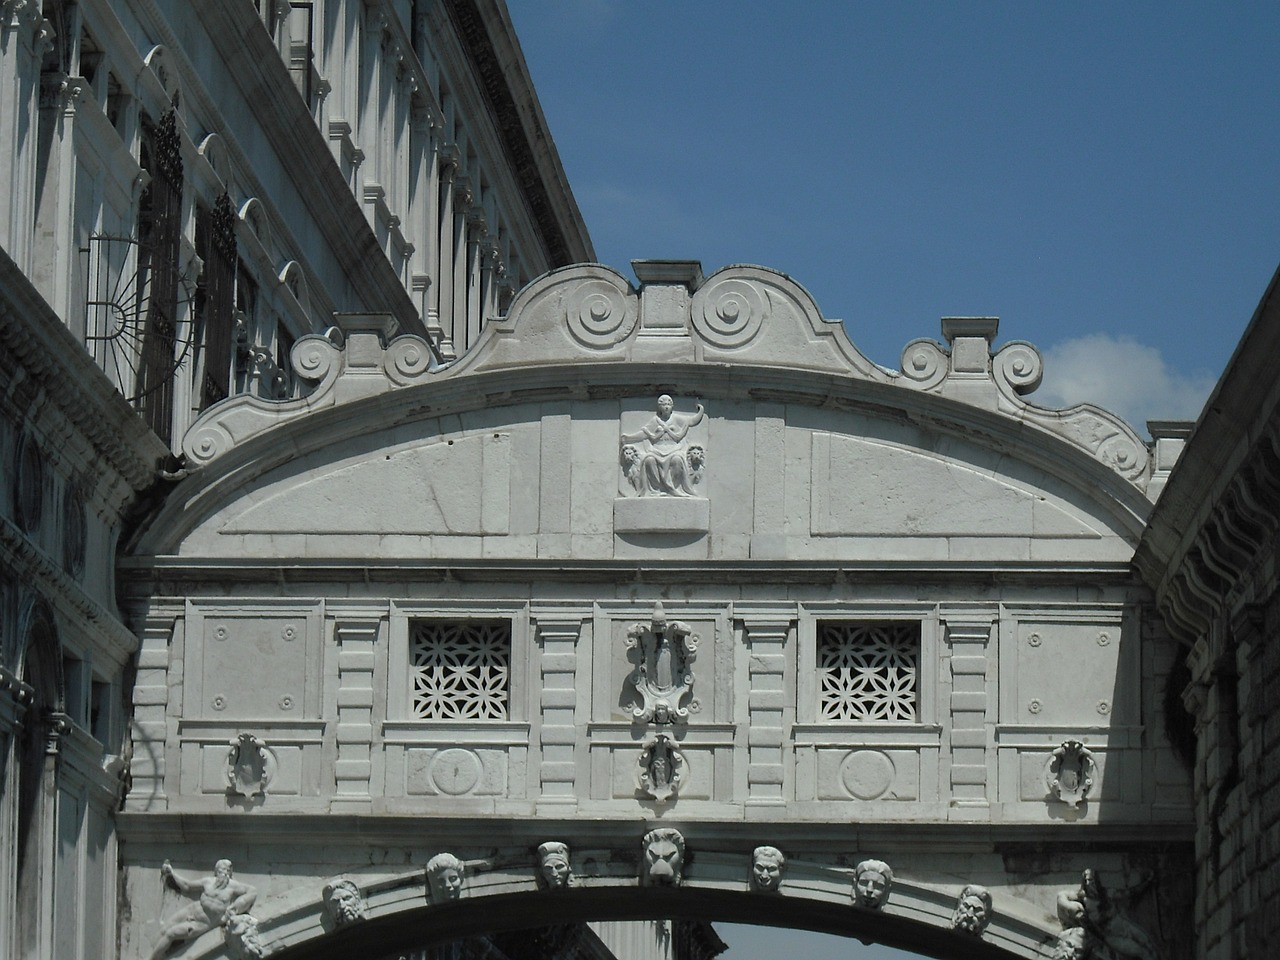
[663, 651]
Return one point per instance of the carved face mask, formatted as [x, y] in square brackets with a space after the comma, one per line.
[555, 870]
[664, 862]
[767, 873]
[446, 885]
[872, 888]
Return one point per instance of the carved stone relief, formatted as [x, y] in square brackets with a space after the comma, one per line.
[219, 900]
[872, 880]
[445, 875]
[973, 910]
[1070, 773]
[250, 766]
[553, 865]
[343, 903]
[663, 860]
[662, 768]
[244, 942]
[663, 652]
[767, 867]
[1093, 928]
[658, 460]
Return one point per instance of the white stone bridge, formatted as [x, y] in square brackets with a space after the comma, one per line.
[669, 559]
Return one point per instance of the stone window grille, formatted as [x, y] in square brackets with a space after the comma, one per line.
[868, 670]
[459, 669]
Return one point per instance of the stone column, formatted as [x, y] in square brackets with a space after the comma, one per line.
[770, 710]
[356, 634]
[968, 636]
[431, 231]
[24, 37]
[475, 274]
[149, 727]
[458, 265]
[443, 284]
[558, 631]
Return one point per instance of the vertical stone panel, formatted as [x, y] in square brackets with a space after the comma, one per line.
[357, 639]
[151, 703]
[558, 632]
[968, 636]
[770, 711]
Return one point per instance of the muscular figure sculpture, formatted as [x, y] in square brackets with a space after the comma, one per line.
[220, 898]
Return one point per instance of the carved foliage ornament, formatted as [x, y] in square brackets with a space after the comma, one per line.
[662, 768]
[663, 652]
[1070, 773]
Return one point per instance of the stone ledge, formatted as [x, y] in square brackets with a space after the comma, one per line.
[661, 515]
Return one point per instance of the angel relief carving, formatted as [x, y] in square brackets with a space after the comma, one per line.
[659, 460]
[663, 652]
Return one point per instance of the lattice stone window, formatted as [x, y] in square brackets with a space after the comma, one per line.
[868, 670]
[459, 669]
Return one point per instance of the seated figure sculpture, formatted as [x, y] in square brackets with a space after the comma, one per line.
[658, 459]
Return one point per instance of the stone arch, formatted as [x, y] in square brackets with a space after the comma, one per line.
[814, 898]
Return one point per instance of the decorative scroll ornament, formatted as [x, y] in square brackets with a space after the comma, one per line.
[663, 652]
[658, 460]
[1092, 928]
[767, 867]
[728, 313]
[249, 766]
[662, 767]
[872, 880]
[663, 861]
[553, 865]
[600, 313]
[973, 910]
[343, 903]
[1070, 773]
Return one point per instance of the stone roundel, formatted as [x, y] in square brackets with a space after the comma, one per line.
[729, 313]
[867, 774]
[600, 314]
[455, 771]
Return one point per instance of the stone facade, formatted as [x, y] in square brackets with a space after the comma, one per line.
[1210, 554]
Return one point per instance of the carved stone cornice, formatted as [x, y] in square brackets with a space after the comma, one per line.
[36, 346]
[68, 597]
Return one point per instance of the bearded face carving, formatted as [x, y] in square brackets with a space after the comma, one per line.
[973, 910]
[343, 903]
[663, 860]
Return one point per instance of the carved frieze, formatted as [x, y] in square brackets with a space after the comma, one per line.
[663, 652]
[662, 769]
[219, 901]
[1094, 929]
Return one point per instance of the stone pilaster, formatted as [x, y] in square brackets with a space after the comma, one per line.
[151, 706]
[357, 639]
[769, 709]
[968, 638]
[558, 632]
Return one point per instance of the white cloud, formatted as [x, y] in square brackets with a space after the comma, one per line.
[1121, 375]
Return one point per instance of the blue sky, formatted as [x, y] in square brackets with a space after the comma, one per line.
[1101, 176]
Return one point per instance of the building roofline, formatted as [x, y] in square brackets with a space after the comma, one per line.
[485, 30]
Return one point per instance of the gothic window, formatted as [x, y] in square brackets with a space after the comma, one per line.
[459, 669]
[868, 670]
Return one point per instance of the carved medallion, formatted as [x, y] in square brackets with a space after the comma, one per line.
[250, 766]
[663, 652]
